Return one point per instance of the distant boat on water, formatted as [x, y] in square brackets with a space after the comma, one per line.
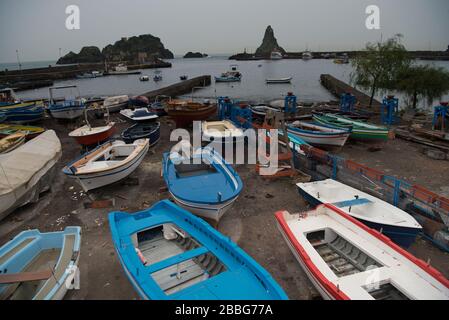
[278, 80]
[307, 55]
[276, 55]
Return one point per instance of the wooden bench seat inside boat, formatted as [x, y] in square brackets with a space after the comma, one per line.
[25, 276]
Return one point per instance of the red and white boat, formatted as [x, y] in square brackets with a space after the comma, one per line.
[88, 135]
[346, 260]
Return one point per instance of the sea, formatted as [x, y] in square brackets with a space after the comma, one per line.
[305, 82]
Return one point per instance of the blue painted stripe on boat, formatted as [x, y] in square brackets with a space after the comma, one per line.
[177, 259]
[351, 203]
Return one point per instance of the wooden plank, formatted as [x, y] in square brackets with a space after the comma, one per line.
[25, 276]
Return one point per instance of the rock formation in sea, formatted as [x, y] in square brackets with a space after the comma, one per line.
[269, 44]
[89, 54]
[191, 54]
[134, 50]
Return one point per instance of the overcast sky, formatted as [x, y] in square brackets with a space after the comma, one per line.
[37, 27]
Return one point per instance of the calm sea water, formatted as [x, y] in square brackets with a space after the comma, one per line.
[305, 83]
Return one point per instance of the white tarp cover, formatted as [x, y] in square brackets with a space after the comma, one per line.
[28, 163]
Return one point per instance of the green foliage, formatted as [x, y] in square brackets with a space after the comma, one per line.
[423, 82]
[378, 66]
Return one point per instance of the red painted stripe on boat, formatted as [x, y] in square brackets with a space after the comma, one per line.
[420, 263]
[328, 285]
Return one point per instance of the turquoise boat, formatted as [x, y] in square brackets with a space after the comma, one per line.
[169, 254]
[39, 266]
[360, 130]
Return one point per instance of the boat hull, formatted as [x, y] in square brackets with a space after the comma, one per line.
[67, 113]
[129, 137]
[336, 140]
[185, 118]
[403, 236]
[93, 139]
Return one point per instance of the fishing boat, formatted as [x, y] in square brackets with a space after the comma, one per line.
[139, 114]
[116, 103]
[23, 112]
[183, 112]
[139, 101]
[319, 135]
[221, 131]
[307, 55]
[346, 260]
[88, 135]
[70, 108]
[360, 130]
[8, 97]
[144, 78]
[122, 70]
[90, 75]
[259, 112]
[106, 164]
[27, 171]
[39, 266]
[276, 55]
[12, 142]
[184, 258]
[30, 131]
[183, 77]
[145, 130]
[232, 75]
[201, 182]
[278, 80]
[395, 223]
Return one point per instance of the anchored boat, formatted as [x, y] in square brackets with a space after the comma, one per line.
[184, 112]
[12, 142]
[139, 114]
[319, 135]
[346, 260]
[278, 80]
[106, 164]
[395, 223]
[71, 108]
[167, 253]
[202, 183]
[39, 266]
[27, 171]
[360, 130]
[150, 131]
[232, 75]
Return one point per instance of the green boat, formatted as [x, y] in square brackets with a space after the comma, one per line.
[360, 130]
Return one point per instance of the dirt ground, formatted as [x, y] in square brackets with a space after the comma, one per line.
[250, 222]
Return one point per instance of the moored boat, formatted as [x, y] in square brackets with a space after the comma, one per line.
[139, 114]
[395, 223]
[184, 258]
[39, 266]
[31, 131]
[70, 108]
[278, 80]
[232, 75]
[360, 130]
[106, 164]
[12, 142]
[203, 182]
[346, 260]
[148, 130]
[221, 131]
[319, 135]
[276, 55]
[307, 55]
[183, 112]
[27, 171]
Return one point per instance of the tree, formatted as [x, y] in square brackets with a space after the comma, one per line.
[378, 66]
[423, 82]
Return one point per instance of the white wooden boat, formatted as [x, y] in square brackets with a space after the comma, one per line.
[116, 103]
[27, 171]
[278, 80]
[40, 266]
[319, 135]
[108, 163]
[221, 131]
[375, 213]
[346, 260]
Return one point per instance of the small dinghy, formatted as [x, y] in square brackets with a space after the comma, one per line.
[144, 78]
[149, 130]
[116, 103]
[139, 114]
[70, 108]
[28, 171]
[346, 260]
[319, 135]
[279, 80]
[31, 131]
[169, 254]
[12, 142]
[39, 266]
[221, 131]
[203, 183]
[88, 135]
[395, 223]
[108, 163]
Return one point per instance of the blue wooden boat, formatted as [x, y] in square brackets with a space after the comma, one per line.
[70, 108]
[147, 130]
[395, 223]
[39, 266]
[28, 114]
[2, 117]
[169, 254]
[204, 183]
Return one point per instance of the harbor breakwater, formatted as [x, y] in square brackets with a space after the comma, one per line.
[180, 88]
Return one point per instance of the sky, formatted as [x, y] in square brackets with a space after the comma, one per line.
[36, 28]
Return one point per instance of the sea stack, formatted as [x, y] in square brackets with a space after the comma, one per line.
[269, 44]
[90, 54]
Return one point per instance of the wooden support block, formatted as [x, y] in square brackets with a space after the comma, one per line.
[25, 276]
[100, 204]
